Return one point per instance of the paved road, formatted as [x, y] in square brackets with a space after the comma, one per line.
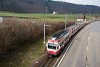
[85, 50]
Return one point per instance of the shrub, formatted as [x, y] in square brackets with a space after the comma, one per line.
[15, 32]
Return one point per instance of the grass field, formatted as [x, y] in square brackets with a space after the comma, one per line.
[48, 17]
[24, 56]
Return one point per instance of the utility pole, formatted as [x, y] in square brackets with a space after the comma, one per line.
[65, 17]
[65, 20]
[89, 14]
[44, 32]
[46, 9]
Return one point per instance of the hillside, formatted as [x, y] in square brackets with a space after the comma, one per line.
[41, 6]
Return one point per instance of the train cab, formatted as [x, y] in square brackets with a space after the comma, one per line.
[57, 42]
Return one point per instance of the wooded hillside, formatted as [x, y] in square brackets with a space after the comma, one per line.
[41, 6]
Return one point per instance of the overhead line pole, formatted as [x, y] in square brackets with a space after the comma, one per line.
[45, 26]
[65, 20]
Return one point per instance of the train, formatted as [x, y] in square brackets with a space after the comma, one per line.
[59, 40]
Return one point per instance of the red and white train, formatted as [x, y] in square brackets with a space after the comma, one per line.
[59, 40]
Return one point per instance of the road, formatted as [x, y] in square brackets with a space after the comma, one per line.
[85, 50]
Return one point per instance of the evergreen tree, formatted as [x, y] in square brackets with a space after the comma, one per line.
[49, 10]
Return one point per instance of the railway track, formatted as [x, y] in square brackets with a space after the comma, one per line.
[48, 62]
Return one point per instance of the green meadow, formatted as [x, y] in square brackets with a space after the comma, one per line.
[42, 17]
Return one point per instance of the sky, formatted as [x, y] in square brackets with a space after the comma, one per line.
[84, 2]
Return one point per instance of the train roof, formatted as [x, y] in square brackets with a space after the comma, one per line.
[59, 35]
[72, 26]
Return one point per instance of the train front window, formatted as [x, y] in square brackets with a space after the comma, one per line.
[52, 46]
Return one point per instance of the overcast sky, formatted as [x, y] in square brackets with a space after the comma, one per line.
[85, 2]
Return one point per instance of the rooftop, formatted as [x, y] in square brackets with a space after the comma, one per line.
[60, 34]
[81, 16]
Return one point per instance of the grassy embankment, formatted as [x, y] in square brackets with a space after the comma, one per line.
[49, 17]
[27, 53]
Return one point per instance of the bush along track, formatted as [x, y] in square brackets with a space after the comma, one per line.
[21, 40]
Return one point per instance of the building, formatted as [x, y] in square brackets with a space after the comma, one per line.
[81, 18]
[1, 19]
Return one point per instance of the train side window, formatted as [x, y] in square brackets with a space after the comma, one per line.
[61, 43]
[66, 37]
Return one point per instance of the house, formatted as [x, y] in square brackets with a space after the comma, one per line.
[1, 19]
[55, 12]
[81, 17]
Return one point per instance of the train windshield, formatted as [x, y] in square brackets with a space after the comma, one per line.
[52, 46]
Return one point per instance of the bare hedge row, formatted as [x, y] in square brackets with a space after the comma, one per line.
[15, 32]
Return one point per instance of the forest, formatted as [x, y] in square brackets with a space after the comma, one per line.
[43, 6]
